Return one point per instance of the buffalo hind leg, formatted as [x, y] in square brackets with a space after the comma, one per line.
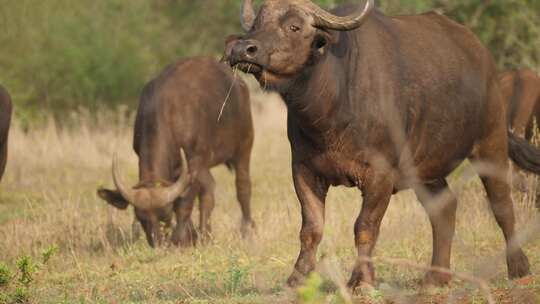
[376, 192]
[440, 205]
[243, 194]
[492, 157]
[206, 203]
[498, 193]
[518, 177]
[311, 191]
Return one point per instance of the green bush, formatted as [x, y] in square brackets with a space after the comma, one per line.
[509, 28]
[17, 287]
[5, 274]
[62, 53]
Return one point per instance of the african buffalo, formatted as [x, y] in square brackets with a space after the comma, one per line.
[196, 105]
[5, 119]
[383, 104]
[521, 90]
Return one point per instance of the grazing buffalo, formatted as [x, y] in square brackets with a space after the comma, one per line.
[5, 119]
[199, 106]
[383, 104]
[521, 89]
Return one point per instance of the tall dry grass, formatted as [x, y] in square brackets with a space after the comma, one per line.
[48, 199]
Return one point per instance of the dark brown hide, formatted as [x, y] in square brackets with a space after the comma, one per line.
[521, 90]
[5, 119]
[180, 109]
[397, 103]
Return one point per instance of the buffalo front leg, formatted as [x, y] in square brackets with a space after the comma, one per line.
[376, 191]
[184, 234]
[206, 203]
[243, 194]
[440, 205]
[311, 191]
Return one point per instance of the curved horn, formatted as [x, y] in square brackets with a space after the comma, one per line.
[153, 198]
[247, 14]
[127, 193]
[324, 19]
[177, 189]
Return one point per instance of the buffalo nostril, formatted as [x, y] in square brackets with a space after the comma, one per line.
[251, 50]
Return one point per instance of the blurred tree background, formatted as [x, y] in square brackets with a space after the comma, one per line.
[64, 54]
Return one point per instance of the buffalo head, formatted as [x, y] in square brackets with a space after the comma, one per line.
[285, 37]
[153, 204]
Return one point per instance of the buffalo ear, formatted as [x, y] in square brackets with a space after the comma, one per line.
[113, 198]
[321, 42]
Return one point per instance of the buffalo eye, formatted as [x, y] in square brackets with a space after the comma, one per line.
[294, 28]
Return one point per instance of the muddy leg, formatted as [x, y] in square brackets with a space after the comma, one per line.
[440, 205]
[311, 191]
[376, 192]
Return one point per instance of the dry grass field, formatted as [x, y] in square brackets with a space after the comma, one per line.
[59, 243]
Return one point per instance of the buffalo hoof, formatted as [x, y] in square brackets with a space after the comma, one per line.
[296, 279]
[359, 286]
[364, 288]
[248, 229]
[436, 279]
[357, 282]
[185, 236]
[363, 275]
[518, 265]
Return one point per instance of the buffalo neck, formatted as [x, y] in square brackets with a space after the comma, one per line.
[314, 100]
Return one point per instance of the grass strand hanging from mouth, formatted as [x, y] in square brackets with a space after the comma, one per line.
[228, 93]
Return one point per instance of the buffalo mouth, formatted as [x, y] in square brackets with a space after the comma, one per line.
[265, 76]
[268, 78]
[248, 67]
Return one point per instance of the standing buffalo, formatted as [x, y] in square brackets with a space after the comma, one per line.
[5, 119]
[521, 90]
[383, 104]
[180, 110]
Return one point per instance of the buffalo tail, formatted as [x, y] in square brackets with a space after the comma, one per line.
[523, 154]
